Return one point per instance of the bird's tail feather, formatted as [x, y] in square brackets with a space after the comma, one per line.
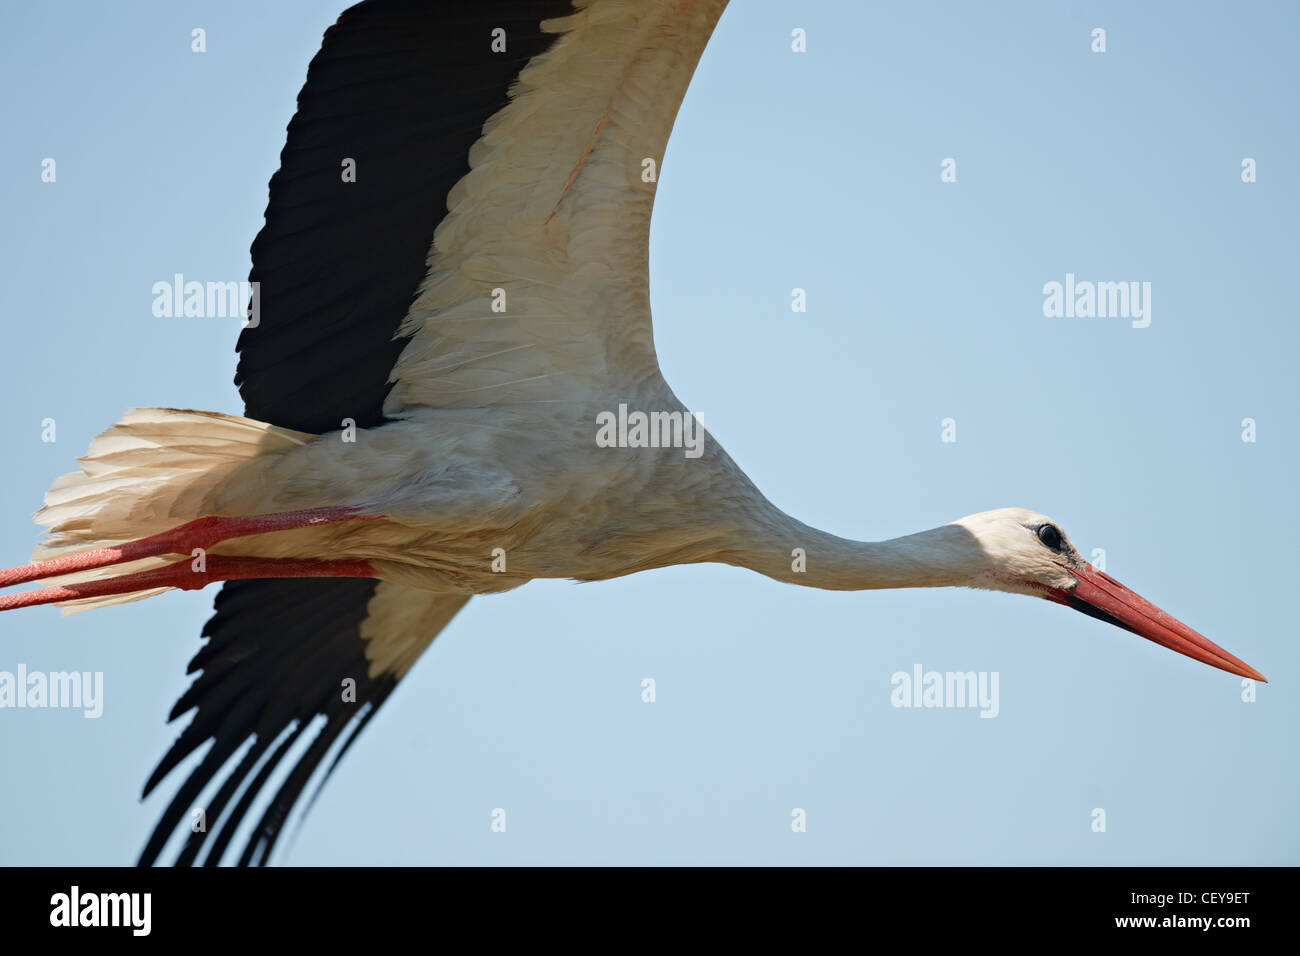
[150, 472]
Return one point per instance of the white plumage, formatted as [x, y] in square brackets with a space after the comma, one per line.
[480, 469]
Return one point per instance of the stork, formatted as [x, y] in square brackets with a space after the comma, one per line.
[442, 343]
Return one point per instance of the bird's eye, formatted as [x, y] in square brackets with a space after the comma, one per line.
[1050, 535]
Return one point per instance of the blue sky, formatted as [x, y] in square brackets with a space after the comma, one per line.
[818, 171]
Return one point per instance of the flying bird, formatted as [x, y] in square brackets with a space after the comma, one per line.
[450, 388]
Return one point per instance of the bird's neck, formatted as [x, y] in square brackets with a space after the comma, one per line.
[781, 547]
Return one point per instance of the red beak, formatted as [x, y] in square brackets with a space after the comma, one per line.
[1099, 595]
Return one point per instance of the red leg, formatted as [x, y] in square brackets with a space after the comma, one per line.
[200, 533]
[179, 575]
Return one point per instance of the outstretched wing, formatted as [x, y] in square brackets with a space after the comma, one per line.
[283, 657]
[393, 101]
[538, 284]
[402, 89]
[460, 219]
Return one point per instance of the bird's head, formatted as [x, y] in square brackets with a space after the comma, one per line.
[1024, 552]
